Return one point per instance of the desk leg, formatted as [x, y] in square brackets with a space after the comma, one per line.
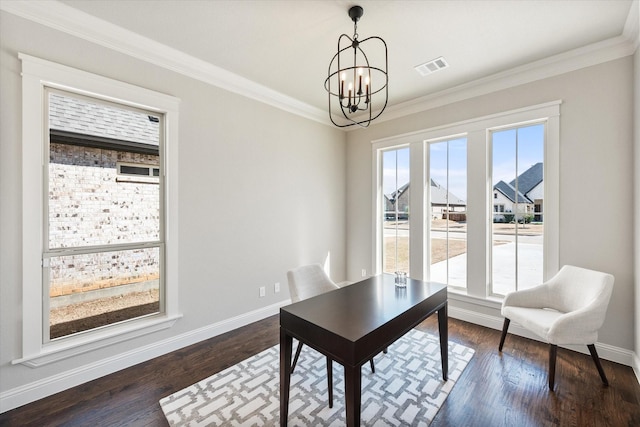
[330, 380]
[286, 344]
[352, 393]
[443, 328]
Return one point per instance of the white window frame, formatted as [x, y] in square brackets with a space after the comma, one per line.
[379, 228]
[479, 191]
[38, 74]
[515, 210]
[427, 218]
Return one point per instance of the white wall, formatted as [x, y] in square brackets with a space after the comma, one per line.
[596, 170]
[261, 191]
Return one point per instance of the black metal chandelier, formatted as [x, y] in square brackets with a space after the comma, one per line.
[352, 83]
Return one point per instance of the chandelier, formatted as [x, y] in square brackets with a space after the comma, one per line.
[352, 83]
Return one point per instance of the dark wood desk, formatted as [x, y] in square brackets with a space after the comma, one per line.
[352, 324]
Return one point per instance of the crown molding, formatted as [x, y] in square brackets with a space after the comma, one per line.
[632, 25]
[594, 54]
[72, 21]
[586, 56]
[69, 20]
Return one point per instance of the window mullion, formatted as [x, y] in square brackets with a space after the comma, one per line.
[417, 210]
[83, 250]
[479, 207]
[517, 211]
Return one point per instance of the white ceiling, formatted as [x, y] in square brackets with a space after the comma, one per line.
[287, 45]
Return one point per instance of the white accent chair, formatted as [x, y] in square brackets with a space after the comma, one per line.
[567, 309]
[306, 282]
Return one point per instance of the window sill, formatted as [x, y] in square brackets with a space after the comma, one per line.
[459, 295]
[138, 179]
[84, 342]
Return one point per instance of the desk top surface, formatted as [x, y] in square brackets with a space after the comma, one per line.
[356, 310]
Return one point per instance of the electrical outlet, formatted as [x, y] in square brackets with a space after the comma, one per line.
[276, 287]
[364, 272]
[263, 291]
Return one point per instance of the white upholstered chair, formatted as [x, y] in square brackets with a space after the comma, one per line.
[567, 309]
[306, 282]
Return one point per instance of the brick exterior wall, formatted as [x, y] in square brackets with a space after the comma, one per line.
[89, 205]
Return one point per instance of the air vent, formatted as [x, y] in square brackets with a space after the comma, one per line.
[431, 66]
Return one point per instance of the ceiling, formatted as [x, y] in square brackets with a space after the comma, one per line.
[287, 45]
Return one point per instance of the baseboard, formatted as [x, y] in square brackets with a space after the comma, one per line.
[44, 387]
[36, 390]
[636, 366]
[605, 351]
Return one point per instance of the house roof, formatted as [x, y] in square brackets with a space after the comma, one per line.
[398, 193]
[510, 192]
[87, 118]
[529, 179]
[439, 195]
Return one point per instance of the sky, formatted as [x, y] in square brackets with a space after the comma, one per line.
[453, 153]
[530, 151]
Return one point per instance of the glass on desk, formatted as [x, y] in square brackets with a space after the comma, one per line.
[401, 279]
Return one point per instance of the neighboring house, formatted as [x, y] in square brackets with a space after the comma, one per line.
[398, 201]
[104, 169]
[442, 201]
[527, 199]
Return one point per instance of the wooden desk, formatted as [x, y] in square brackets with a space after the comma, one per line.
[352, 324]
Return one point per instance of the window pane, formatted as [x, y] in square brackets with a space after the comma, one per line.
[90, 208]
[134, 170]
[92, 290]
[87, 204]
[395, 185]
[518, 193]
[448, 215]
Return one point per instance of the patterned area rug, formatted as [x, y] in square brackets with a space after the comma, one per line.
[406, 389]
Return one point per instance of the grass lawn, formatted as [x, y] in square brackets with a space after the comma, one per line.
[438, 252]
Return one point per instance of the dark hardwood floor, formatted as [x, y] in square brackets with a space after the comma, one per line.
[508, 389]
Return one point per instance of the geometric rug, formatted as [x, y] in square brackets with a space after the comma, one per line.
[406, 390]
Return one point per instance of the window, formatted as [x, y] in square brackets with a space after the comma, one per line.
[103, 252]
[60, 252]
[518, 176]
[138, 172]
[477, 222]
[395, 185]
[448, 211]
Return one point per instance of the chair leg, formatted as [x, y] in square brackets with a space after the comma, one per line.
[295, 358]
[505, 326]
[596, 359]
[553, 351]
[330, 380]
[373, 368]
